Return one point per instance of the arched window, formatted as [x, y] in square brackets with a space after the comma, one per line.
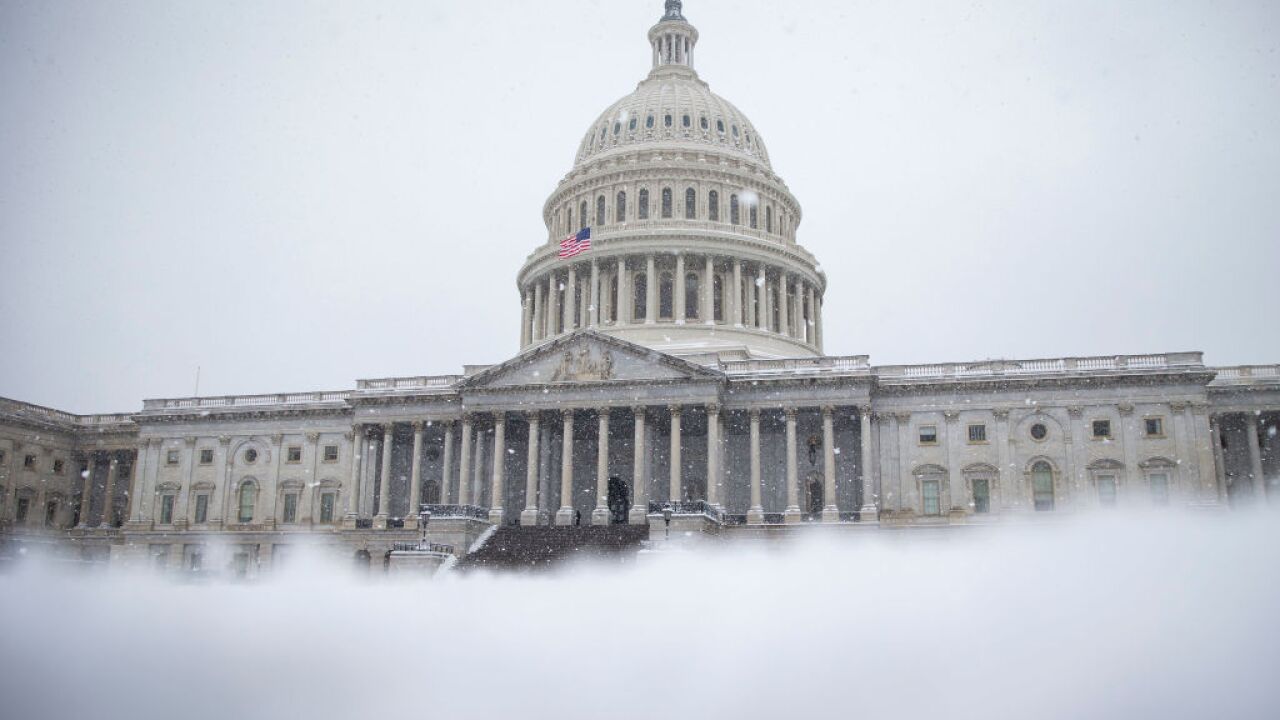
[600, 210]
[631, 126]
[734, 216]
[666, 120]
[640, 291]
[665, 297]
[666, 202]
[644, 204]
[583, 214]
[248, 495]
[613, 298]
[719, 126]
[690, 204]
[686, 121]
[617, 128]
[717, 298]
[648, 123]
[702, 122]
[691, 296]
[752, 214]
[713, 206]
[1042, 485]
[768, 219]
[620, 207]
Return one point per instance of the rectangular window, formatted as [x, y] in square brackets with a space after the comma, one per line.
[206, 456]
[159, 556]
[977, 433]
[195, 561]
[50, 512]
[326, 507]
[928, 434]
[930, 493]
[331, 453]
[24, 506]
[981, 495]
[291, 508]
[1159, 488]
[1154, 427]
[202, 509]
[29, 462]
[295, 454]
[58, 465]
[171, 457]
[1101, 429]
[1107, 490]
[166, 510]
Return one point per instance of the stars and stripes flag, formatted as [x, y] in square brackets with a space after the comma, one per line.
[575, 244]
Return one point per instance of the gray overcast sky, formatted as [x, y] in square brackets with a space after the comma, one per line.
[296, 194]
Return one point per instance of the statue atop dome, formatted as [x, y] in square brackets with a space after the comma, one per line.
[673, 11]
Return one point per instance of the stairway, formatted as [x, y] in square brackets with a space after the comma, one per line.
[515, 547]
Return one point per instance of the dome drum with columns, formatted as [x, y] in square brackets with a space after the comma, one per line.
[693, 235]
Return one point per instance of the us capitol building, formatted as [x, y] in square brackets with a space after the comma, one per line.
[673, 372]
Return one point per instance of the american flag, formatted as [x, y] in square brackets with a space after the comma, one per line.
[579, 242]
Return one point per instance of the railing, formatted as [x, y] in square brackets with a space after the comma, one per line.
[1047, 366]
[409, 383]
[1247, 374]
[798, 366]
[456, 511]
[694, 507]
[225, 401]
[22, 409]
[422, 547]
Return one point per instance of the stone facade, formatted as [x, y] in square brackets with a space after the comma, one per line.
[676, 364]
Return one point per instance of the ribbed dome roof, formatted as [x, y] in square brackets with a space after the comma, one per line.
[673, 107]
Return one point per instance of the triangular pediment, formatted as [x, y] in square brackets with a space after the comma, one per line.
[586, 357]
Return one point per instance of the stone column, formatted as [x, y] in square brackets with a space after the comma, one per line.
[755, 516]
[1006, 477]
[1198, 422]
[525, 321]
[817, 309]
[1132, 473]
[1076, 460]
[529, 516]
[910, 497]
[181, 515]
[545, 511]
[553, 304]
[86, 496]
[307, 499]
[708, 293]
[784, 311]
[955, 480]
[830, 507]
[810, 328]
[476, 486]
[1219, 465]
[868, 512]
[353, 496]
[762, 299]
[446, 463]
[625, 312]
[678, 290]
[1255, 457]
[136, 489]
[593, 314]
[713, 455]
[651, 291]
[677, 490]
[564, 516]
[639, 470]
[464, 462]
[735, 297]
[539, 321]
[571, 300]
[497, 490]
[384, 478]
[601, 514]
[415, 477]
[749, 312]
[112, 468]
[792, 513]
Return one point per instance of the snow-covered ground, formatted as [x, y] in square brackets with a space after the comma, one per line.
[1135, 618]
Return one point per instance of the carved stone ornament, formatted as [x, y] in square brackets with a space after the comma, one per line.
[1075, 411]
[584, 365]
[1125, 408]
[1177, 406]
[1001, 413]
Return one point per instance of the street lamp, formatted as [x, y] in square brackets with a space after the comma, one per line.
[424, 517]
[666, 518]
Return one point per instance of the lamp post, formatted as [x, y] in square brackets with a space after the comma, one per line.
[666, 519]
[424, 517]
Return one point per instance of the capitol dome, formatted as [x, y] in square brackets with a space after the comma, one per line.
[692, 236]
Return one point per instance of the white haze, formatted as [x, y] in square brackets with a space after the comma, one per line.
[1133, 618]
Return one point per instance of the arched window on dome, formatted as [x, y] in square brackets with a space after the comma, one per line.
[717, 297]
[713, 206]
[599, 210]
[620, 207]
[690, 204]
[719, 126]
[768, 218]
[631, 125]
[648, 123]
[603, 131]
[666, 120]
[666, 294]
[686, 121]
[617, 128]
[583, 215]
[691, 296]
[702, 122]
[666, 202]
[734, 214]
[643, 209]
[751, 213]
[640, 295]
[735, 131]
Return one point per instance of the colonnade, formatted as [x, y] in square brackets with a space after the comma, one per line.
[654, 288]
[1259, 432]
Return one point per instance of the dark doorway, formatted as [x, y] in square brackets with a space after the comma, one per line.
[619, 501]
[815, 498]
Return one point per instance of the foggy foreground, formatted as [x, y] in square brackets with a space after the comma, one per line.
[1148, 617]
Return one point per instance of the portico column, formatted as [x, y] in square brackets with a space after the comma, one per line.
[539, 322]
[112, 468]
[593, 316]
[1219, 467]
[529, 516]
[755, 516]
[735, 298]
[830, 509]
[784, 312]
[86, 497]
[497, 489]
[679, 290]
[708, 293]
[868, 512]
[792, 514]
[415, 477]
[601, 514]
[384, 478]
[446, 469]
[762, 299]
[677, 491]
[464, 463]
[639, 469]
[713, 455]
[353, 496]
[564, 516]
[1255, 457]
[476, 487]
[651, 290]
